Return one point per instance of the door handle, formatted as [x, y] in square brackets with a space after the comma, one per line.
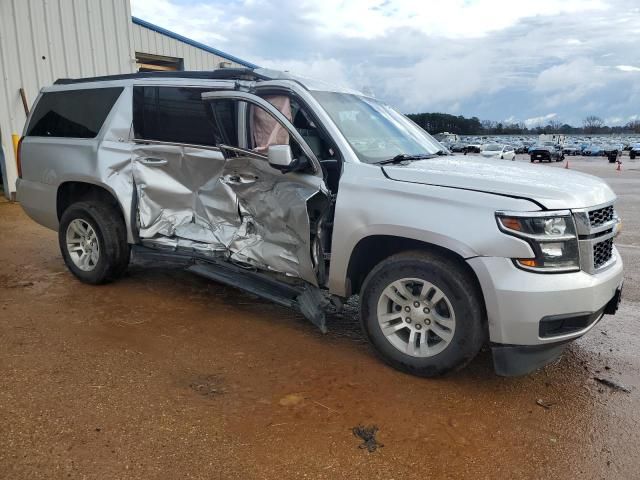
[238, 179]
[153, 161]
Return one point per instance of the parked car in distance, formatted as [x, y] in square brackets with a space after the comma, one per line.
[571, 150]
[474, 148]
[308, 196]
[503, 152]
[594, 150]
[547, 151]
[458, 147]
[634, 151]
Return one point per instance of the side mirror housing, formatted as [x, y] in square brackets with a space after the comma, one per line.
[281, 158]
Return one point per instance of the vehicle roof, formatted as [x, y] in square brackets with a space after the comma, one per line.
[180, 77]
[219, 74]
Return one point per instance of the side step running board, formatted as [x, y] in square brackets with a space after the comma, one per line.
[306, 298]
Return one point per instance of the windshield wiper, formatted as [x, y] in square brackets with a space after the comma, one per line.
[403, 157]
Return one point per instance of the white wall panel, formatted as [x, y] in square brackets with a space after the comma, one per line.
[43, 40]
[149, 41]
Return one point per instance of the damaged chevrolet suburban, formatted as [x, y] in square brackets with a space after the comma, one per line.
[306, 195]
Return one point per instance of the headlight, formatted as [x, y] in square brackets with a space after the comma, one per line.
[552, 236]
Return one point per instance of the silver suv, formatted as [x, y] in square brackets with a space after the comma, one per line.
[306, 194]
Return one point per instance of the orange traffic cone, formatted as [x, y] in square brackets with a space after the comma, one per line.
[566, 165]
[619, 167]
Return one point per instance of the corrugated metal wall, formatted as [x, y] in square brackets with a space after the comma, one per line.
[43, 40]
[146, 40]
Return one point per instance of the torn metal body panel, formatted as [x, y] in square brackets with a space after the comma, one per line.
[239, 207]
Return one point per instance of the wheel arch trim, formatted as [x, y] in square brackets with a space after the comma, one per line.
[91, 184]
[342, 283]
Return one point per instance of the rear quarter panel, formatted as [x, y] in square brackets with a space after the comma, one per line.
[104, 161]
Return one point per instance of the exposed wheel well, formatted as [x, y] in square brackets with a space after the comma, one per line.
[72, 192]
[370, 251]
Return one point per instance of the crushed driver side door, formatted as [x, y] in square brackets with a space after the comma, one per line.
[276, 210]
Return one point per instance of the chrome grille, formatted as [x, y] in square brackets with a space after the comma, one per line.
[602, 252]
[596, 229]
[601, 216]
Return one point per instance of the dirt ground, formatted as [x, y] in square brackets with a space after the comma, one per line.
[165, 375]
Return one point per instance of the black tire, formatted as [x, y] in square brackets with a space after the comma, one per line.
[114, 251]
[460, 289]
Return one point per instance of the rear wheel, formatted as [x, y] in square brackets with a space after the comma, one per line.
[93, 241]
[422, 313]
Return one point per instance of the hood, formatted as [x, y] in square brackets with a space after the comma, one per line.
[554, 188]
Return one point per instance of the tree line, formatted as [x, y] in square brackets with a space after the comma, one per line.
[444, 122]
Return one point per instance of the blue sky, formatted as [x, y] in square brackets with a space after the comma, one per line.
[516, 60]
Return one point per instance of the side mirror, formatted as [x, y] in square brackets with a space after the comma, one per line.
[281, 158]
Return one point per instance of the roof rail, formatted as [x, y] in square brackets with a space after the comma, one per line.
[219, 74]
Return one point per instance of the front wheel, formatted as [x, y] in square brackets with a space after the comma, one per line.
[422, 313]
[93, 241]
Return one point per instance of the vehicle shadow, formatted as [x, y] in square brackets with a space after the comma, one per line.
[344, 329]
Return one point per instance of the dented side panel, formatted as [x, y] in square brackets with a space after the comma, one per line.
[239, 208]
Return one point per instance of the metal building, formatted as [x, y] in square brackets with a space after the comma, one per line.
[43, 40]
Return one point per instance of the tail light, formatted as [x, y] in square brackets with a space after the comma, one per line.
[19, 157]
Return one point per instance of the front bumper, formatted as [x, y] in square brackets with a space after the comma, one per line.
[514, 360]
[517, 302]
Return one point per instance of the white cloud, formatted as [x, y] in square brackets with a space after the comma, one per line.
[572, 81]
[542, 120]
[451, 18]
[628, 68]
[193, 20]
[494, 59]
[328, 70]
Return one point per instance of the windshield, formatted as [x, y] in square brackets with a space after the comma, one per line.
[493, 148]
[375, 131]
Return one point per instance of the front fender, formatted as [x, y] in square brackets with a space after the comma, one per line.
[462, 221]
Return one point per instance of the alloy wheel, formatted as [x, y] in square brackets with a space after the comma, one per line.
[416, 317]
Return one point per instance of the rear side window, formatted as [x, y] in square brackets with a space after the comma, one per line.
[73, 113]
[178, 115]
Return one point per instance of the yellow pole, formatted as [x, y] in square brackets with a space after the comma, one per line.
[16, 139]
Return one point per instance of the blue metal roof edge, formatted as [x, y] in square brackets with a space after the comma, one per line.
[202, 46]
